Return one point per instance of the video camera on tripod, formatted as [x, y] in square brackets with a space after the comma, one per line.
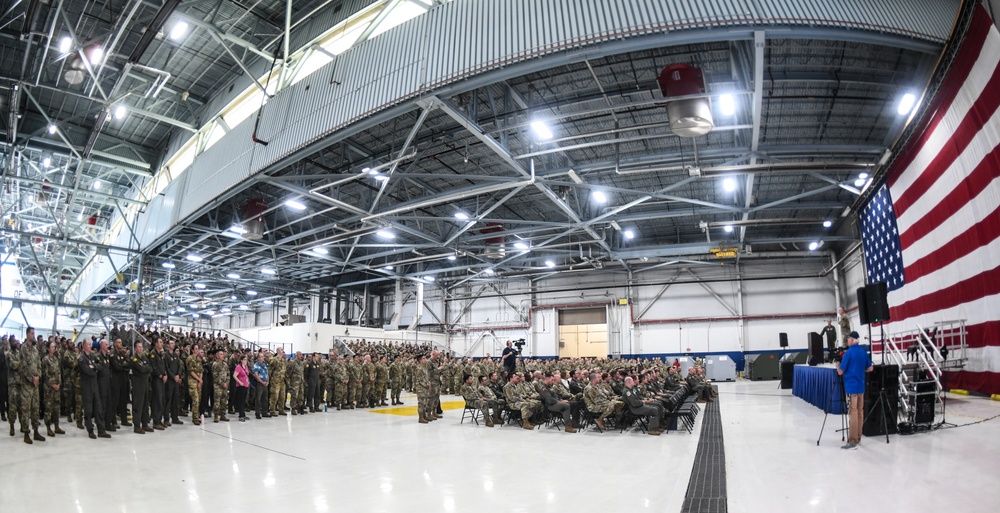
[519, 344]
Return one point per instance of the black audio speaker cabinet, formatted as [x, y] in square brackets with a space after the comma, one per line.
[815, 349]
[783, 339]
[883, 378]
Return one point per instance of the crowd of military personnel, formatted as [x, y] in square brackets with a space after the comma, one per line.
[168, 374]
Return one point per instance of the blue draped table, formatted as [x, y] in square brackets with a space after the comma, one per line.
[818, 386]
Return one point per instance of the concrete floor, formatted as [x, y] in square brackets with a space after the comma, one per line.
[359, 461]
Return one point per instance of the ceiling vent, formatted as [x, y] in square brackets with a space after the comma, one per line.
[689, 117]
[253, 219]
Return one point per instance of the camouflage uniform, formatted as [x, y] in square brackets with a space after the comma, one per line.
[367, 383]
[381, 381]
[338, 372]
[276, 378]
[51, 376]
[422, 386]
[516, 399]
[473, 397]
[295, 378]
[194, 366]
[29, 366]
[353, 383]
[396, 380]
[326, 370]
[597, 401]
[220, 379]
[13, 387]
[408, 368]
[845, 328]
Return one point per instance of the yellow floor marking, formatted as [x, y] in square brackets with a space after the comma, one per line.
[411, 411]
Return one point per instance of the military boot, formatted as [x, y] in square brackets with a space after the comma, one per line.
[423, 420]
[497, 418]
[527, 424]
[489, 422]
[12, 428]
[48, 430]
[103, 434]
[58, 430]
[38, 437]
[27, 438]
[224, 418]
[570, 429]
[79, 423]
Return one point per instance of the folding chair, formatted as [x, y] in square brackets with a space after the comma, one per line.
[473, 412]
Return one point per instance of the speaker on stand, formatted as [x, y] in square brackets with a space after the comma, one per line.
[815, 349]
[881, 401]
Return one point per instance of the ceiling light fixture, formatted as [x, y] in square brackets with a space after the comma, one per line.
[550, 263]
[727, 105]
[194, 258]
[521, 245]
[813, 246]
[729, 185]
[96, 55]
[47, 161]
[53, 129]
[120, 292]
[827, 224]
[267, 271]
[906, 104]
[600, 197]
[319, 250]
[244, 307]
[385, 234]
[233, 276]
[629, 234]
[429, 278]
[461, 216]
[65, 44]
[251, 292]
[452, 257]
[168, 265]
[232, 297]
[490, 271]
[268, 302]
[237, 229]
[120, 112]
[199, 286]
[295, 205]
[863, 176]
[388, 268]
[97, 185]
[728, 228]
[179, 31]
[541, 130]
[860, 182]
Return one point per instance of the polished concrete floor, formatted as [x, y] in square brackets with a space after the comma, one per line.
[358, 461]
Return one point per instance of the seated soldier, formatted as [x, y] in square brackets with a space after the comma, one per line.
[598, 402]
[703, 391]
[474, 398]
[487, 393]
[564, 394]
[515, 395]
[554, 404]
[648, 408]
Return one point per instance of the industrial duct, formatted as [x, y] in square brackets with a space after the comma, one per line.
[689, 117]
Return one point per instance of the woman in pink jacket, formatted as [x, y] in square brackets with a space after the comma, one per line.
[242, 376]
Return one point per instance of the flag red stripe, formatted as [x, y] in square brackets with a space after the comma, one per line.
[983, 382]
[968, 54]
[980, 113]
[977, 236]
[984, 173]
[986, 283]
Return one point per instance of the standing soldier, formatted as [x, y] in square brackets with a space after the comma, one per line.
[172, 391]
[185, 399]
[340, 381]
[119, 384]
[52, 377]
[140, 385]
[158, 383]
[381, 381]
[845, 326]
[276, 369]
[434, 372]
[367, 380]
[29, 371]
[313, 381]
[294, 376]
[102, 360]
[353, 380]
[326, 370]
[220, 378]
[408, 366]
[422, 385]
[396, 381]
[68, 360]
[90, 392]
[194, 371]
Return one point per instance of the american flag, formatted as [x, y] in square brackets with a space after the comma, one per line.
[937, 218]
[883, 256]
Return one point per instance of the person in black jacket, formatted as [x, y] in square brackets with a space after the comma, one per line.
[102, 360]
[554, 404]
[643, 407]
[90, 393]
[4, 373]
[118, 407]
[157, 383]
[140, 384]
[172, 407]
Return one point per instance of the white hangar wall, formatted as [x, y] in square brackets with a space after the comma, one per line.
[684, 308]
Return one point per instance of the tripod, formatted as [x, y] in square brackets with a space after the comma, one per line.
[880, 406]
[841, 398]
[944, 412]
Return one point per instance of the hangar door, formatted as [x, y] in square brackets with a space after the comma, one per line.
[583, 333]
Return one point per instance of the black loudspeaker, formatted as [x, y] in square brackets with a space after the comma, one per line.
[815, 349]
[783, 339]
[923, 404]
[883, 378]
[873, 305]
[787, 375]
[863, 306]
